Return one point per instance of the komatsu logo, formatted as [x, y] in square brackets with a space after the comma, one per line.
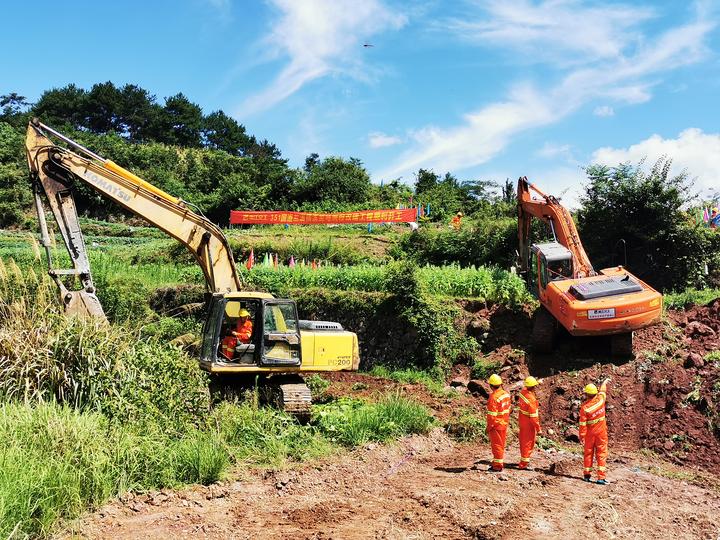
[106, 186]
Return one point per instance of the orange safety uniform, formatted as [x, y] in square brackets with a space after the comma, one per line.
[244, 330]
[455, 223]
[593, 432]
[529, 420]
[498, 418]
[228, 347]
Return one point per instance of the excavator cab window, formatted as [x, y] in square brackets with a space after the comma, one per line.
[532, 275]
[543, 272]
[560, 269]
[281, 334]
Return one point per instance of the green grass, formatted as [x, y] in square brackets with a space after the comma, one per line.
[492, 285]
[483, 367]
[352, 422]
[467, 425]
[56, 462]
[689, 297]
[410, 375]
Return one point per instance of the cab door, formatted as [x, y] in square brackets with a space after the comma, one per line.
[281, 334]
[212, 327]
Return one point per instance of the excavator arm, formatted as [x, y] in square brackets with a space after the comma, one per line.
[53, 169]
[548, 209]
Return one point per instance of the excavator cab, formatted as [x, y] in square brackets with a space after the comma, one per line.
[550, 261]
[273, 338]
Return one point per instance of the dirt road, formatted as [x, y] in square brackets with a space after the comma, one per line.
[424, 487]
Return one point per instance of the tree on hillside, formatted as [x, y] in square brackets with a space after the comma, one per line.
[335, 179]
[12, 108]
[181, 122]
[425, 180]
[645, 210]
[220, 132]
[63, 107]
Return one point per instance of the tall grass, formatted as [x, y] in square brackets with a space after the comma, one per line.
[352, 422]
[90, 365]
[56, 461]
[493, 285]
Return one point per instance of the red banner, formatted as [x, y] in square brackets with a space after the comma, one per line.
[242, 217]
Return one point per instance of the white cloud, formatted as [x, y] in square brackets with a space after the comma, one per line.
[622, 77]
[692, 150]
[319, 38]
[377, 139]
[551, 150]
[555, 29]
[604, 110]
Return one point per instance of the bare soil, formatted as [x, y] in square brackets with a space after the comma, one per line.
[424, 487]
[664, 464]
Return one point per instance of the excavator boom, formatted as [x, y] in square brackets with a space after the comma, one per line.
[53, 170]
[548, 209]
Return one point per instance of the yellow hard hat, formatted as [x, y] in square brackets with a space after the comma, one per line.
[495, 380]
[460, 214]
[591, 389]
[243, 313]
[530, 382]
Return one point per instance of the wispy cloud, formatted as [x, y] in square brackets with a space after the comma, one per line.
[377, 139]
[604, 110]
[622, 77]
[319, 38]
[692, 150]
[551, 150]
[554, 29]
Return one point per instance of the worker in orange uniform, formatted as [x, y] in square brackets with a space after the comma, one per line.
[529, 420]
[498, 418]
[593, 431]
[243, 328]
[455, 221]
[241, 334]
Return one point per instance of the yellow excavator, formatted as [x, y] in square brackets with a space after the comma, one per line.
[275, 345]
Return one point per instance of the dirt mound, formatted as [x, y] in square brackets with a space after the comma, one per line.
[667, 399]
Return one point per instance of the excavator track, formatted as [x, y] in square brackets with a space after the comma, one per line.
[291, 394]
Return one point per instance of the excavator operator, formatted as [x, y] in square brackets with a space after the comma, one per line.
[243, 327]
[241, 334]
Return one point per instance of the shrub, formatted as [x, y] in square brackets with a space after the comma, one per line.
[483, 368]
[467, 426]
[352, 422]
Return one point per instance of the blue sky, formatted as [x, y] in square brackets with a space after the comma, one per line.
[483, 89]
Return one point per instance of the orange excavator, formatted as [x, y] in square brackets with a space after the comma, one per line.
[611, 302]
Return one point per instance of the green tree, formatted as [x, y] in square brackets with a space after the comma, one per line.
[335, 179]
[645, 210]
[13, 107]
[180, 123]
[15, 194]
[221, 132]
[62, 107]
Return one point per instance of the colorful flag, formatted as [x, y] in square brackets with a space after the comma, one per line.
[251, 260]
[706, 215]
[314, 265]
[266, 260]
[275, 261]
[427, 212]
[292, 262]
